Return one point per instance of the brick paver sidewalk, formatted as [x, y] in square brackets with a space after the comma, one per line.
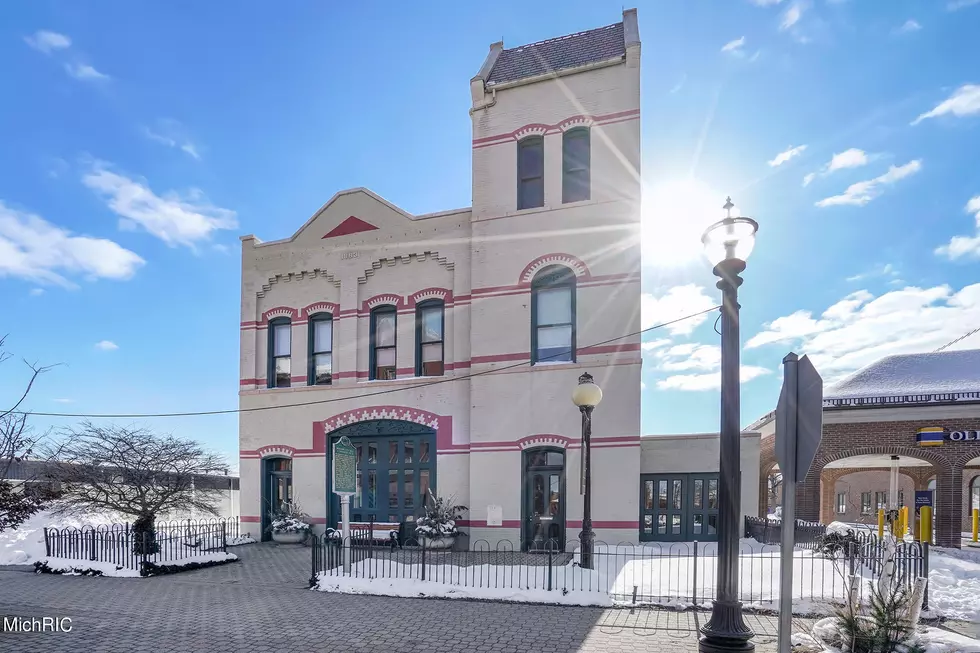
[262, 604]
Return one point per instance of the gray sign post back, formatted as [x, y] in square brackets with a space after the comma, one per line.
[799, 425]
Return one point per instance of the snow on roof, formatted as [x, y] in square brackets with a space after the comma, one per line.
[935, 373]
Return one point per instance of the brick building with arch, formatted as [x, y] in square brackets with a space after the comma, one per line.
[923, 408]
[446, 345]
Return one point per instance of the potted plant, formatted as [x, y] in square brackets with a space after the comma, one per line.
[290, 525]
[437, 528]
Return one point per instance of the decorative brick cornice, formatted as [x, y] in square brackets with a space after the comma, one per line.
[297, 276]
[320, 307]
[574, 263]
[276, 450]
[382, 300]
[402, 413]
[279, 311]
[534, 129]
[544, 440]
[576, 121]
[392, 261]
[443, 294]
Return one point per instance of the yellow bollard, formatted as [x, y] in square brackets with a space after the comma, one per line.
[881, 523]
[925, 524]
[905, 520]
[976, 522]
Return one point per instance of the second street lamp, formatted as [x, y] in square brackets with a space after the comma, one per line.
[727, 244]
[586, 396]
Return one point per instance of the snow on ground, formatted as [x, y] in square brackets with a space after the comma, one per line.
[25, 544]
[238, 540]
[954, 583]
[933, 640]
[78, 567]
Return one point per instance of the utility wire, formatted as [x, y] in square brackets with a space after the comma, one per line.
[962, 337]
[448, 379]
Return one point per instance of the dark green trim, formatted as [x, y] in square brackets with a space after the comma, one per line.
[265, 487]
[429, 303]
[686, 511]
[569, 166]
[271, 348]
[554, 276]
[310, 353]
[526, 534]
[529, 142]
[372, 354]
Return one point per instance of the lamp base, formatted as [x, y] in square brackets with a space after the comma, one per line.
[726, 630]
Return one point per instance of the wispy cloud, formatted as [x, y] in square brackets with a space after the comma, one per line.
[85, 72]
[965, 246]
[908, 26]
[965, 101]
[765, 3]
[673, 304]
[786, 155]
[791, 16]
[852, 158]
[862, 192]
[172, 133]
[956, 5]
[47, 42]
[174, 219]
[886, 270]
[679, 85]
[734, 47]
[809, 177]
[63, 400]
[106, 345]
[36, 292]
[32, 248]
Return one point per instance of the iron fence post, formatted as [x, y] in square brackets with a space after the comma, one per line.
[313, 557]
[850, 558]
[423, 560]
[694, 580]
[551, 554]
[224, 537]
[925, 573]
[91, 552]
[47, 542]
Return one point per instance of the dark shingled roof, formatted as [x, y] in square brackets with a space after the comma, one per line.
[559, 53]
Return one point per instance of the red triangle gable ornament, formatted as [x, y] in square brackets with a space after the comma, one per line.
[351, 225]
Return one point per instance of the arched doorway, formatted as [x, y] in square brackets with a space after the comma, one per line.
[277, 489]
[396, 469]
[543, 498]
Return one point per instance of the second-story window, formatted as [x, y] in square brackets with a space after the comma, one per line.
[383, 337]
[321, 350]
[279, 352]
[575, 165]
[553, 315]
[429, 327]
[530, 172]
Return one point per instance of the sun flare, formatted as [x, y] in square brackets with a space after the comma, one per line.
[675, 214]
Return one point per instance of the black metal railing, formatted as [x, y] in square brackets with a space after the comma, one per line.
[171, 542]
[769, 531]
[911, 558]
[681, 573]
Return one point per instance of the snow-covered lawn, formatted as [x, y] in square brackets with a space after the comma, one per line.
[954, 583]
[82, 567]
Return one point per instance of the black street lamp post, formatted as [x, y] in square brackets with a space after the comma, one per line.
[727, 244]
[586, 396]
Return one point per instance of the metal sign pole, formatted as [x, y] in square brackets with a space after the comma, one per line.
[787, 543]
[345, 530]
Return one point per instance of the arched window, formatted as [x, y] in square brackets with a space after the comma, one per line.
[429, 336]
[530, 172]
[575, 165]
[975, 493]
[280, 349]
[383, 340]
[320, 346]
[553, 315]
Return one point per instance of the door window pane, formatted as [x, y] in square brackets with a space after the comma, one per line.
[384, 330]
[424, 485]
[424, 452]
[359, 493]
[409, 447]
[281, 339]
[372, 489]
[648, 524]
[698, 521]
[675, 524]
[372, 453]
[409, 488]
[648, 495]
[698, 492]
[662, 524]
[554, 305]
[554, 497]
[393, 452]
[712, 524]
[712, 495]
[678, 484]
[662, 495]
[393, 489]
[537, 506]
[554, 459]
[322, 335]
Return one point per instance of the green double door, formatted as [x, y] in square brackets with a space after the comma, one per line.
[679, 507]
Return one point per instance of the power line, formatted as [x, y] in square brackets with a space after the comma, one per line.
[448, 379]
[963, 337]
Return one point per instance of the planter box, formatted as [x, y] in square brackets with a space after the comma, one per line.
[289, 538]
[439, 543]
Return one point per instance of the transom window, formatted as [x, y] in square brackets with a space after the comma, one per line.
[575, 166]
[279, 352]
[383, 339]
[429, 329]
[553, 315]
[321, 349]
[530, 172]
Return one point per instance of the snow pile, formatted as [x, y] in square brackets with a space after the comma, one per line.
[70, 567]
[25, 544]
[933, 640]
[240, 539]
[954, 583]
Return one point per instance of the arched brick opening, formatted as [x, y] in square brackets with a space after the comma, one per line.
[767, 462]
[830, 476]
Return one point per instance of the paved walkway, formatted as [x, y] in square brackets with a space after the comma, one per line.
[263, 604]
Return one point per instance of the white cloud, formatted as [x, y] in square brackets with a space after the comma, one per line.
[788, 154]
[36, 292]
[809, 177]
[679, 85]
[676, 303]
[171, 133]
[886, 270]
[862, 192]
[765, 3]
[85, 72]
[964, 246]
[965, 101]
[791, 16]
[32, 248]
[63, 400]
[47, 42]
[106, 345]
[173, 219]
[861, 328]
[709, 380]
[735, 47]
[908, 26]
[852, 158]
[956, 5]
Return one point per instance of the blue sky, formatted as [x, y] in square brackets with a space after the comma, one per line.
[141, 140]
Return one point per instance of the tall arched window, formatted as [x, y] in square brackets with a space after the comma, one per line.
[553, 315]
[530, 172]
[383, 340]
[429, 336]
[280, 350]
[575, 165]
[320, 346]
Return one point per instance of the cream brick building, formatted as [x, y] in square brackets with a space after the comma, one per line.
[447, 345]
